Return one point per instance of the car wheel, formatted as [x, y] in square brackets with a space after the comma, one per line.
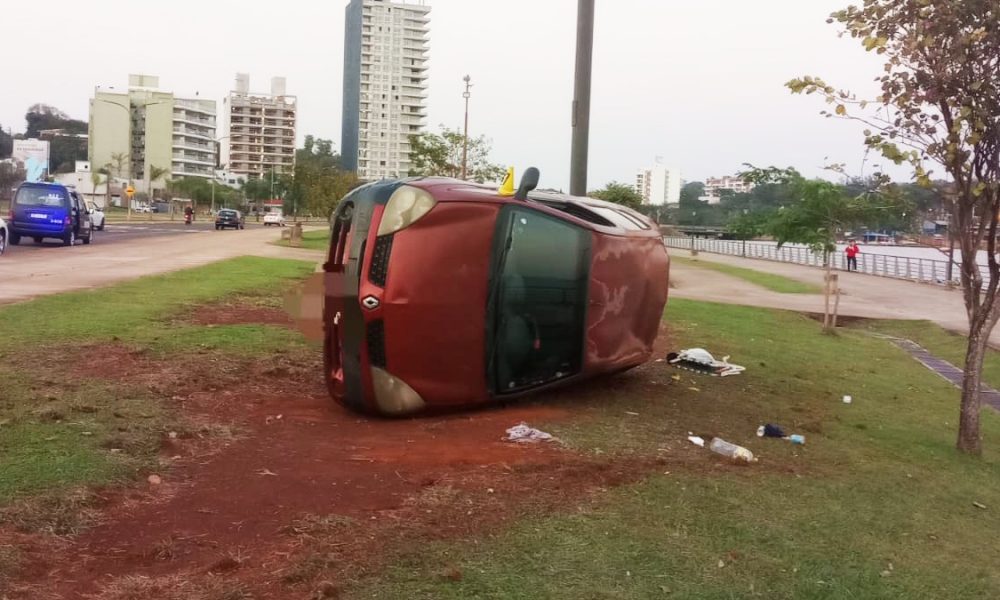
[15, 239]
[216, 227]
[3, 242]
[37, 240]
[70, 239]
[89, 238]
[101, 228]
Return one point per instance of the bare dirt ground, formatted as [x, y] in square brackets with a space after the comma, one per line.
[288, 495]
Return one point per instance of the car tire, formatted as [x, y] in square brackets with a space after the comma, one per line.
[101, 228]
[15, 239]
[37, 240]
[216, 227]
[3, 242]
[70, 239]
[89, 238]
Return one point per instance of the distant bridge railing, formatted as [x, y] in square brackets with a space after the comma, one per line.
[924, 270]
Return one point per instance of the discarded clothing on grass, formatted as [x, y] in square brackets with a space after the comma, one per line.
[701, 361]
[527, 435]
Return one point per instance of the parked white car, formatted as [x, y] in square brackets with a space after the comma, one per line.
[96, 216]
[274, 218]
[4, 236]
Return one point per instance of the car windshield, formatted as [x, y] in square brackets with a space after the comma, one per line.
[539, 303]
[41, 196]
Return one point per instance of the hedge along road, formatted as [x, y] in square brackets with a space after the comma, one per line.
[128, 251]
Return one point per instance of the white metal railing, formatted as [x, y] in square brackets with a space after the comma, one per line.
[924, 270]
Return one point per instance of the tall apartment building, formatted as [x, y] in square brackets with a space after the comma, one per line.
[258, 130]
[659, 185]
[385, 85]
[142, 127]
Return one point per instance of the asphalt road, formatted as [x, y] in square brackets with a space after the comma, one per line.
[126, 232]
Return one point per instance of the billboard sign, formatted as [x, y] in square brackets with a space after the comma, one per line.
[33, 156]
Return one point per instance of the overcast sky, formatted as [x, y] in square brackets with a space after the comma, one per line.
[697, 82]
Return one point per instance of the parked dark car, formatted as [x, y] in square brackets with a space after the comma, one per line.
[49, 210]
[442, 293]
[229, 218]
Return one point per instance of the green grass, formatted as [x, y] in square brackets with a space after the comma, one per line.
[60, 428]
[770, 281]
[132, 311]
[312, 240]
[944, 344]
[877, 505]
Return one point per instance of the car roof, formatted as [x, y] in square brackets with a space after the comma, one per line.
[580, 210]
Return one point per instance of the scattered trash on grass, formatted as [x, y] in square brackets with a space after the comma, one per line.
[770, 430]
[527, 435]
[848, 399]
[774, 431]
[154, 480]
[701, 361]
[979, 505]
[697, 441]
[731, 451]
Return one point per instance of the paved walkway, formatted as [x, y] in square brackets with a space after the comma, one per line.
[861, 295]
[88, 267]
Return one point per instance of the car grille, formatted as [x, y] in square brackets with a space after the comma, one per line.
[376, 344]
[379, 269]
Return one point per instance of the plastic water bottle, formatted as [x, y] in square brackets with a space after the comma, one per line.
[731, 451]
[797, 439]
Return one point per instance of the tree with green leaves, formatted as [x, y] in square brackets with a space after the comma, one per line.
[939, 105]
[820, 212]
[440, 155]
[619, 193]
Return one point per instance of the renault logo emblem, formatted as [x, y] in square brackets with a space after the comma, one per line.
[370, 302]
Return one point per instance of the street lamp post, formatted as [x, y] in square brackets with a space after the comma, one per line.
[465, 141]
[581, 98]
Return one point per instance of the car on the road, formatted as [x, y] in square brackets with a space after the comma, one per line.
[4, 236]
[274, 218]
[228, 217]
[96, 215]
[441, 293]
[49, 210]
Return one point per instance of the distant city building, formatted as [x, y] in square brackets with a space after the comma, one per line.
[149, 127]
[715, 185]
[385, 84]
[659, 185]
[258, 130]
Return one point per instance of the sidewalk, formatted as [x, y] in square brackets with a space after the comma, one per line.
[861, 295]
[88, 267]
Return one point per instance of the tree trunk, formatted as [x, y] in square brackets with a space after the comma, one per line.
[968, 425]
[826, 293]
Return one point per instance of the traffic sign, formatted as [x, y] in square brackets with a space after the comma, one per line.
[130, 191]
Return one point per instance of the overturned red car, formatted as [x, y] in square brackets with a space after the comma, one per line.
[442, 293]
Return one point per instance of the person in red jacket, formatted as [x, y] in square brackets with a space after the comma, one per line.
[852, 252]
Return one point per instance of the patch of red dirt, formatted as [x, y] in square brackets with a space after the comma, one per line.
[225, 512]
[240, 314]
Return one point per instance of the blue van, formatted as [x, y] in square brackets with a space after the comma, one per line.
[49, 210]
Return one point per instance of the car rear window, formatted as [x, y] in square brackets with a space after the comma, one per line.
[40, 196]
[619, 218]
[227, 213]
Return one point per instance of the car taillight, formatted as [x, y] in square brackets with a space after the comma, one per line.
[67, 221]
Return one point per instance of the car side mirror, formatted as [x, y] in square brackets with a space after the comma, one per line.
[529, 181]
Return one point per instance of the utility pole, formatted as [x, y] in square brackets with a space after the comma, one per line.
[465, 143]
[581, 98]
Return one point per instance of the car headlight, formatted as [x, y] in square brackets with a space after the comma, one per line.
[405, 207]
[393, 396]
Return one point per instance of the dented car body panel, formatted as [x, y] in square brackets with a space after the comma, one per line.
[443, 294]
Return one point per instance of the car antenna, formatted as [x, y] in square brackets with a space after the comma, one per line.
[529, 181]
